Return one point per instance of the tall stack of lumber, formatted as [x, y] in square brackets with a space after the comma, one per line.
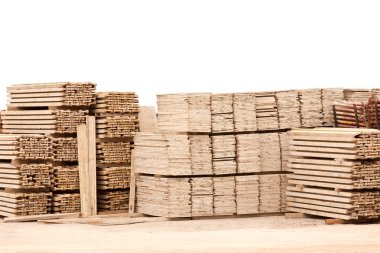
[244, 112]
[222, 117]
[266, 111]
[329, 98]
[336, 173]
[26, 175]
[54, 110]
[311, 107]
[116, 122]
[288, 109]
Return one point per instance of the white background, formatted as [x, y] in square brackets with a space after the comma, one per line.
[173, 46]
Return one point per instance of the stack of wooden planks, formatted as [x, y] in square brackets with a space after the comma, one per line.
[266, 111]
[201, 155]
[288, 109]
[247, 194]
[222, 117]
[116, 123]
[184, 112]
[65, 149]
[248, 153]
[244, 112]
[42, 121]
[224, 195]
[311, 107]
[66, 203]
[357, 95]
[329, 98]
[284, 146]
[51, 95]
[351, 115]
[23, 204]
[113, 178]
[270, 193]
[202, 200]
[335, 173]
[113, 201]
[224, 154]
[66, 178]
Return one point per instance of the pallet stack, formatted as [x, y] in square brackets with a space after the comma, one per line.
[116, 122]
[54, 110]
[336, 173]
[26, 175]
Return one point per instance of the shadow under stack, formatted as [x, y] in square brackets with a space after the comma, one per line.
[116, 124]
[53, 110]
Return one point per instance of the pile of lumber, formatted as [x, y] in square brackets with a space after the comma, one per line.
[329, 98]
[113, 178]
[162, 154]
[266, 111]
[201, 156]
[357, 95]
[114, 152]
[42, 121]
[202, 200]
[224, 154]
[25, 147]
[167, 197]
[51, 94]
[23, 204]
[66, 203]
[284, 146]
[335, 173]
[66, 178]
[311, 107]
[116, 102]
[112, 201]
[65, 149]
[270, 152]
[244, 112]
[248, 153]
[116, 125]
[288, 109]
[224, 196]
[270, 193]
[247, 194]
[184, 112]
[351, 115]
[222, 117]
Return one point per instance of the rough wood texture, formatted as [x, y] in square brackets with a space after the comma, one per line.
[330, 97]
[66, 178]
[147, 119]
[244, 112]
[222, 118]
[109, 201]
[51, 94]
[184, 112]
[224, 154]
[116, 126]
[116, 102]
[357, 95]
[266, 111]
[288, 109]
[114, 152]
[65, 149]
[113, 178]
[311, 107]
[66, 203]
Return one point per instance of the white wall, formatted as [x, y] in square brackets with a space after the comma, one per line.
[200, 45]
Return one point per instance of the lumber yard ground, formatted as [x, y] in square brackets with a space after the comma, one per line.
[260, 234]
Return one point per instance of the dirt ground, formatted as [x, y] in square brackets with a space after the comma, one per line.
[259, 234]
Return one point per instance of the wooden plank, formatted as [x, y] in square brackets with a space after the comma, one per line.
[318, 196]
[91, 130]
[321, 173]
[84, 182]
[319, 167]
[147, 119]
[320, 178]
[320, 184]
[321, 161]
[320, 191]
[323, 144]
[317, 207]
[319, 202]
[132, 191]
[322, 155]
[41, 217]
[319, 213]
[323, 149]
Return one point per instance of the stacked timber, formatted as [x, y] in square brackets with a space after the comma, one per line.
[66, 203]
[266, 111]
[288, 109]
[284, 146]
[222, 117]
[202, 199]
[357, 95]
[329, 98]
[54, 110]
[24, 203]
[351, 115]
[335, 173]
[248, 153]
[270, 152]
[167, 197]
[201, 155]
[116, 123]
[247, 194]
[270, 193]
[244, 112]
[224, 195]
[224, 154]
[311, 107]
[186, 112]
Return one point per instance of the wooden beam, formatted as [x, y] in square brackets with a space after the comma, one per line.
[91, 130]
[132, 187]
[41, 217]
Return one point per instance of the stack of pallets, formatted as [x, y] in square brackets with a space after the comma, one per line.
[336, 173]
[54, 110]
[116, 123]
[26, 175]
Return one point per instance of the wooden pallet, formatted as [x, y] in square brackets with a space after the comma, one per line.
[66, 203]
[116, 102]
[66, 178]
[51, 94]
[42, 121]
[113, 178]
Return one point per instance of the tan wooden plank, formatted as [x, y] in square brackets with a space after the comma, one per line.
[320, 184]
[319, 208]
[91, 131]
[84, 182]
[319, 202]
[320, 191]
[319, 213]
[319, 167]
[318, 196]
[321, 173]
[322, 155]
[320, 179]
[322, 144]
[42, 217]
[321, 161]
